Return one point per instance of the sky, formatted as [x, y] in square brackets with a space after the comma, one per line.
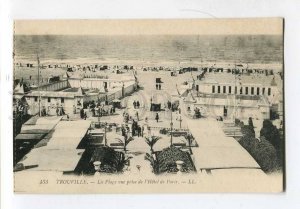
[250, 26]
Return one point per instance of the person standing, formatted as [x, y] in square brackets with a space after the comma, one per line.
[127, 131]
[138, 104]
[57, 111]
[149, 130]
[142, 131]
[134, 104]
[133, 128]
[81, 113]
[139, 130]
[157, 117]
[123, 131]
[169, 105]
[93, 112]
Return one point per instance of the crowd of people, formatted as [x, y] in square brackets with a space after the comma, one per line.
[96, 109]
[20, 107]
[59, 110]
[135, 130]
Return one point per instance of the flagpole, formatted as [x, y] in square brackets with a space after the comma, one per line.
[38, 68]
[235, 97]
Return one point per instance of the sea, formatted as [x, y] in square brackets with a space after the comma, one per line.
[150, 49]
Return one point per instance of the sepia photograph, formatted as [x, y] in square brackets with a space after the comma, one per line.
[148, 106]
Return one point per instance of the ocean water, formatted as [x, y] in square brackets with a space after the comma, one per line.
[261, 49]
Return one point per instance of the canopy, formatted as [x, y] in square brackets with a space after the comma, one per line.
[43, 159]
[60, 153]
[216, 150]
[224, 157]
[68, 134]
[29, 137]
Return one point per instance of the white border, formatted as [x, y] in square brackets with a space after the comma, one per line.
[86, 9]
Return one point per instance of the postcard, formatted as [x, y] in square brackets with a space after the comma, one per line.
[148, 106]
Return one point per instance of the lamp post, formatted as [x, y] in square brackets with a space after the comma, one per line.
[189, 138]
[105, 138]
[38, 68]
[99, 114]
[98, 110]
[180, 120]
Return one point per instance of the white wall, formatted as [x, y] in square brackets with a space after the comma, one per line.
[55, 86]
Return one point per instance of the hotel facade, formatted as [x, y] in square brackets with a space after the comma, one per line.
[230, 96]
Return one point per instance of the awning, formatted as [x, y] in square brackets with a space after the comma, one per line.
[224, 157]
[68, 134]
[60, 153]
[35, 131]
[36, 128]
[29, 137]
[216, 150]
[43, 159]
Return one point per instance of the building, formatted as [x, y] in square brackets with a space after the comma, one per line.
[70, 93]
[240, 85]
[234, 96]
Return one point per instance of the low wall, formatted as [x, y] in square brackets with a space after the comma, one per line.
[55, 86]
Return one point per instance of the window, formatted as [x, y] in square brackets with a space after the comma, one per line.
[219, 89]
[252, 90]
[49, 99]
[241, 90]
[257, 92]
[35, 99]
[229, 89]
[269, 91]
[213, 89]
[235, 90]
[246, 90]
[263, 90]
[224, 89]
[62, 100]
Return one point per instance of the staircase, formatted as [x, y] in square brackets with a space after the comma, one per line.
[231, 130]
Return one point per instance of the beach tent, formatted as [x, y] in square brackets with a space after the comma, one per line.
[116, 103]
